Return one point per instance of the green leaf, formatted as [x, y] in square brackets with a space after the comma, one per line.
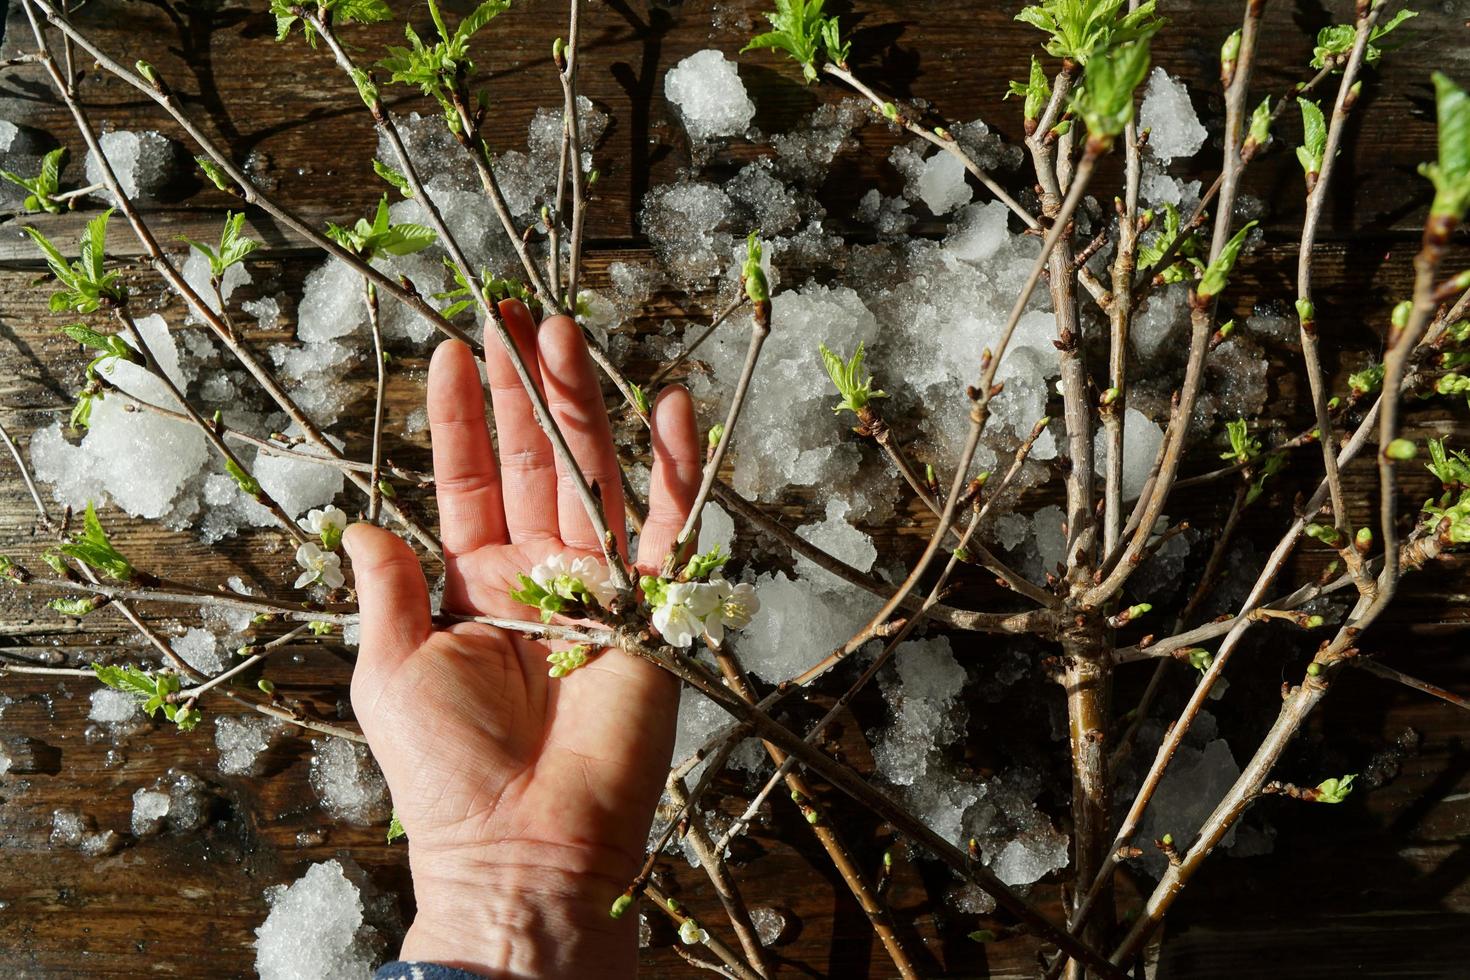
[799, 29]
[640, 399]
[1217, 276]
[233, 247]
[249, 484]
[393, 177]
[1336, 41]
[215, 173]
[1314, 138]
[701, 567]
[478, 18]
[852, 383]
[1036, 91]
[1336, 789]
[85, 283]
[1450, 467]
[45, 185]
[1080, 29]
[76, 607]
[1105, 101]
[1451, 174]
[93, 549]
[1243, 448]
[127, 678]
[112, 345]
[395, 828]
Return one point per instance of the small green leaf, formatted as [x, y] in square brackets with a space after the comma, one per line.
[799, 29]
[852, 383]
[1314, 138]
[395, 828]
[1036, 91]
[1106, 102]
[640, 399]
[1336, 789]
[393, 177]
[127, 678]
[1260, 130]
[1451, 174]
[1081, 29]
[703, 566]
[1217, 276]
[93, 549]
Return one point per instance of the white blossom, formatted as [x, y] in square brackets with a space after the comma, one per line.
[320, 566]
[560, 573]
[680, 617]
[734, 605]
[328, 523]
[692, 934]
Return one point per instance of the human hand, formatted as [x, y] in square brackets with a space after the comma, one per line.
[527, 800]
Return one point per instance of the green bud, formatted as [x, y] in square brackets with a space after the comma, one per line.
[640, 399]
[1134, 612]
[888, 858]
[266, 685]
[1314, 669]
[1260, 132]
[716, 433]
[146, 70]
[1364, 538]
[558, 50]
[1110, 396]
[1401, 450]
[1306, 311]
[754, 276]
[890, 111]
[982, 936]
[1401, 313]
[620, 905]
[673, 905]
[1200, 658]
[813, 816]
[592, 176]
[1336, 789]
[943, 133]
[1229, 52]
[1334, 403]
[1168, 840]
[1315, 622]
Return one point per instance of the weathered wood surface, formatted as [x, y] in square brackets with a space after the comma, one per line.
[1377, 887]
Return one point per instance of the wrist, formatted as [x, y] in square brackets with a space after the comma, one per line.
[519, 912]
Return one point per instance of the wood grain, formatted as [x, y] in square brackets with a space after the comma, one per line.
[1377, 886]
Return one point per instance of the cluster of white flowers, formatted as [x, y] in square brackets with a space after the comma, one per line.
[686, 610]
[566, 577]
[319, 562]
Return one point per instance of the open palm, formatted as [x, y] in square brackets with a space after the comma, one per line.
[526, 800]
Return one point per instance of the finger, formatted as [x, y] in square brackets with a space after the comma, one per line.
[575, 398]
[466, 480]
[393, 603]
[677, 468]
[526, 466]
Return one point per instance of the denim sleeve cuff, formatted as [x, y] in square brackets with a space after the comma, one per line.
[399, 970]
